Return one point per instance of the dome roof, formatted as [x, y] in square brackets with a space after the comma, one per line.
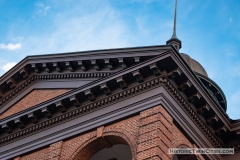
[213, 89]
[194, 65]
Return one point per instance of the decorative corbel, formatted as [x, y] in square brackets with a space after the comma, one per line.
[46, 67]
[221, 130]
[19, 122]
[203, 109]
[121, 61]
[82, 66]
[33, 118]
[57, 66]
[138, 76]
[136, 59]
[155, 69]
[70, 66]
[74, 100]
[6, 128]
[35, 67]
[174, 73]
[95, 64]
[185, 85]
[212, 119]
[89, 94]
[46, 112]
[11, 83]
[194, 97]
[109, 64]
[105, 88]
[24, 73]
[121, 82]
[61, 106]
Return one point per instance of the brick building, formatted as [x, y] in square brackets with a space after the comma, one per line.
[129, 103]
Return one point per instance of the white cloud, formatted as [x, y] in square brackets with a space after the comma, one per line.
[230, 20]
[8, 66]
[39, 4]
[42, 10]
[102, 29]
[10, 46]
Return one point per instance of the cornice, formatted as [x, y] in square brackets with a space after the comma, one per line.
[46, 77]
[125, 94]
[93, 63]
[109, 100]
[85, 55]
[178, 79]
[188, 108]
[231, 129]
[85, 109]
[85, 87]
[201, 88]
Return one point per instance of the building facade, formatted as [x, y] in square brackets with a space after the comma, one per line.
[116, 104]
[132, 103]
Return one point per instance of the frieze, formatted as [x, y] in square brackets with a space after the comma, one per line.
[189, 109]
[111, 99]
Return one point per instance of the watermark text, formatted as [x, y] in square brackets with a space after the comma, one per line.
[201, 151]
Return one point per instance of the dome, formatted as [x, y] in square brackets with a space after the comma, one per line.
[194, 65]
[213, 89]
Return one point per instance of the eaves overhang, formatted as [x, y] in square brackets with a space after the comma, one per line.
[172, 71]
[104, 53]
[151, 74]
[195, 76]
[229, 129]
[78, 65]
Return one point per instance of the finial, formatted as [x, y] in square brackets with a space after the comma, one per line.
[175, 19]
[174, 40]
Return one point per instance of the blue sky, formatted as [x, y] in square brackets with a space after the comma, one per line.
[208, 29]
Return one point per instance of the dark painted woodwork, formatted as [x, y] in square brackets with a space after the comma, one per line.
[192, 99]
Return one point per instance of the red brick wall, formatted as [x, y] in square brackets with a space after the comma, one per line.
[123, 132]
[39, 155]
[33, 98]
[155, 134]
[148, 134]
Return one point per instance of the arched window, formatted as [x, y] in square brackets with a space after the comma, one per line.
[116, 152]
[105, 148]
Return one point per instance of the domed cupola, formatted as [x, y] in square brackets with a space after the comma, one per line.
[214, 90]
[194, 65]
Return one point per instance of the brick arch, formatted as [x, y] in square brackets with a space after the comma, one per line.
[127, 136]
[109, 137]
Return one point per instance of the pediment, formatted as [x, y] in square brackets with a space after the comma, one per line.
[163, 79]
[68, 70]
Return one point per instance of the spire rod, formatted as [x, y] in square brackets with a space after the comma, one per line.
[174, 41]
[175, 21]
